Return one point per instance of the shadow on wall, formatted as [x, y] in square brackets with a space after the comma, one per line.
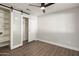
[70, 38]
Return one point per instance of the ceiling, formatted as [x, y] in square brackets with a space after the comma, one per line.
[37, 11]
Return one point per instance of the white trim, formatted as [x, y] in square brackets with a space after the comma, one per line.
[16, 46]
[28, 16]
[11, 40]
[27, 28]
[22, 29]
[65, 46]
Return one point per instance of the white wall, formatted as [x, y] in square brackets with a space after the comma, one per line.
[60, 27]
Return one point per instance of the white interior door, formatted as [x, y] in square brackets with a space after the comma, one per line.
[25, 27]
[16, 40]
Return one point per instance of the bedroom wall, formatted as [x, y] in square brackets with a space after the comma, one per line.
[60, 28]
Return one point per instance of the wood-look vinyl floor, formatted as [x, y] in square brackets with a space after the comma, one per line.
[38, 48]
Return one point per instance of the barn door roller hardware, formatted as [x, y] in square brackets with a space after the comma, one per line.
[15, 9]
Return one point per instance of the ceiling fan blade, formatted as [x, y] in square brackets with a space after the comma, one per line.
[42, 4]
[49, 4]
[43, 11]
[34, 5]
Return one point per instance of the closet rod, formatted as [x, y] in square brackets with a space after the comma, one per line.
[15, 9]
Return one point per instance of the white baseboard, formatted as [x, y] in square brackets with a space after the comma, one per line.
[16, 46]
[65, 46]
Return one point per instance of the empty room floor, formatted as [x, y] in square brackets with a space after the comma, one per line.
[38, 48]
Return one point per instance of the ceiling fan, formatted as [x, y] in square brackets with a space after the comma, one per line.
[43, 6]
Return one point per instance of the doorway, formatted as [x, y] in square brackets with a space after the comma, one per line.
[25, 29]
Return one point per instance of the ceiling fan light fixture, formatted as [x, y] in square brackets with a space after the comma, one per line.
[43, 8]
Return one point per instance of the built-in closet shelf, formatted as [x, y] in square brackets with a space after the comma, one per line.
[6, 23]
[7, 34]
[4, 26]
[4, 39]
[4, 35]
[4, 18]
[4, 43]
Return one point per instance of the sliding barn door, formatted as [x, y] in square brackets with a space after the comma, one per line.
[16, 40]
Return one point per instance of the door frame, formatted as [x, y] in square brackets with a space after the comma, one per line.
[27, 27]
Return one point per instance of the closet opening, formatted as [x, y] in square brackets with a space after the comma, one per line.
[5, 30]
[25, 29]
